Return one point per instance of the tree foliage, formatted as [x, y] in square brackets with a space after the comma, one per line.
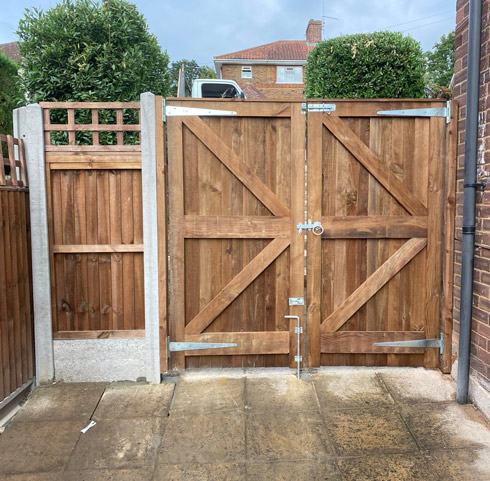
[192, 71]
[373, 65]
[440, 62]
[9, 93]
[81, 50]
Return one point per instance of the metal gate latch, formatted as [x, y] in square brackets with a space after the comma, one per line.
[315, 227]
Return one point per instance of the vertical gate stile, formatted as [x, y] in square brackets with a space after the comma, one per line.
[434, 237]
[296, 267]
[176, 238]
[314, 242]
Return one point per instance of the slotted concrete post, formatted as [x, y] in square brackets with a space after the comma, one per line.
[150, 235]
[28, 125]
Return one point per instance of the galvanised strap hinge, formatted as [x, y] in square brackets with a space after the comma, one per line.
[327, 108]
[422, 343]
[173, 111]
[429, 112]
[194, 346]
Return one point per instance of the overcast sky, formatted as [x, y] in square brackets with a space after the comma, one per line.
[201, 29]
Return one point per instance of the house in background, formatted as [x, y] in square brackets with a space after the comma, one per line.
[274, 70]
[11, 50]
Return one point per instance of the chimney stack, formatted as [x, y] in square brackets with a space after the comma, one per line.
[314, 32]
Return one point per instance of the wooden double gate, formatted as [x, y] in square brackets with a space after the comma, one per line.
[382, 187]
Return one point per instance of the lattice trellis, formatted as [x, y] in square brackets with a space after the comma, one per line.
[116, 131]
[13, 168]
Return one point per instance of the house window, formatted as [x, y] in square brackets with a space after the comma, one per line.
[246, 72]
[289, 75]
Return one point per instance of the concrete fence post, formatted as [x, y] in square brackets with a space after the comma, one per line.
[150, 236]
[28, 125]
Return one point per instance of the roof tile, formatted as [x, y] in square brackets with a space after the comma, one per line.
[280, 50]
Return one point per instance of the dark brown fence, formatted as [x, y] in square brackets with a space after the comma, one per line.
[16, 319]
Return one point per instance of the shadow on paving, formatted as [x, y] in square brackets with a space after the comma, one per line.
[355, 424]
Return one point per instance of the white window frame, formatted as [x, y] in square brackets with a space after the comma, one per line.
[289, 74]
[246, 71]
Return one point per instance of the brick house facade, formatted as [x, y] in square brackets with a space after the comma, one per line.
[480, 340]
[274, 70]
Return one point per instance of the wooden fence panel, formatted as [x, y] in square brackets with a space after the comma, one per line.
[95, 219]
[16, 315]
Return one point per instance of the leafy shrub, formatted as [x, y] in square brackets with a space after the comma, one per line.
[440, 62]
[9, 93]
[372, 65]
[85, 51]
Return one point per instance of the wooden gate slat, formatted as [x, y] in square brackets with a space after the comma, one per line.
[233, 289]
[274, 342]
[373, 284]
[226, 155]
[229, 227]
[362, 342]
[374, 227]
[370, 160]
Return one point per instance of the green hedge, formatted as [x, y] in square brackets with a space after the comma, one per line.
[9, 92]
[372, 65]
[83, 50]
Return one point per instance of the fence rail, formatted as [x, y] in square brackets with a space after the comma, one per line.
[16, 315]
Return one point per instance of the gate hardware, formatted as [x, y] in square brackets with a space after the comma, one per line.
[328, 108]
[417, 343]
[194, 346]
[429, 112]
[296, 301]
[316, 227]
[298, 330]
[171, 111]
[477, 185]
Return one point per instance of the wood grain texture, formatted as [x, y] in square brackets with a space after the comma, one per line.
[449, 226]
[232, 161]
[374, 227]
[373, 284]
[371, 162]
[16, 318]
[248, 343]
[361, 342]
[233, 289]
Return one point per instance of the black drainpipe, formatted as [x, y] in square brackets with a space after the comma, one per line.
[470, 158]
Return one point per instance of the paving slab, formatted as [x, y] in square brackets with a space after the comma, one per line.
[394, 467]
[439, 425]
[135, 401]
[350, 389]
[284, 393]
[293, 471]
[217, 437]
[144, 474]
[35, 447]
[419, 385]
[62, 402]
[33, 477]
[200, 472]
[206, 395]
[461, 464]
[368, 431]
[117, 444]
[276, 435]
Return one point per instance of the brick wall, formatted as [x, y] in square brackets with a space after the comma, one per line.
[480, 347]
[264, 79]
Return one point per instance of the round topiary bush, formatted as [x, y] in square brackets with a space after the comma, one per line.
[366, 66]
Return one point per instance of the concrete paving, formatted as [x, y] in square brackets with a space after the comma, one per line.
[344, 424]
